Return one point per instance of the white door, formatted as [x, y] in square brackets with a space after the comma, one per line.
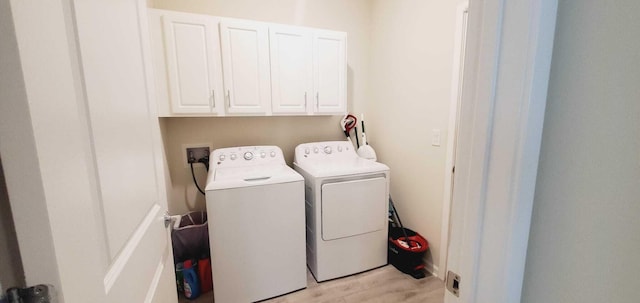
[245, 63]
[98, 156]
[291, 69]
[192, 50]
[330, 71]
[127, 155]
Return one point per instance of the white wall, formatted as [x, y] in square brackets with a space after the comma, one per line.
[411, 62]
[584, 244]
[351, 16]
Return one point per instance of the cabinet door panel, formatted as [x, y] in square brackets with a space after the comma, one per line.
[291, 69]
[193, 64]
[330, 70]
[245, 57]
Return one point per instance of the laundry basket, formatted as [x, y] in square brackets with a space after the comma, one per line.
[191, 254]
[191, 238]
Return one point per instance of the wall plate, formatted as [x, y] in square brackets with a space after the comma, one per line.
[198, 152]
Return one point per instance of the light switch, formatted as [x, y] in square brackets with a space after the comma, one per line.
[435, 137]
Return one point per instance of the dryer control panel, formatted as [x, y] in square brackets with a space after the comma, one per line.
[333, 150]
[246, 156]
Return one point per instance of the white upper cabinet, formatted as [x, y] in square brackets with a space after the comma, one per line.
[308, 70]
[215, 66]
[245, 62]
[330, 72]
[291, 69]
[193, 63]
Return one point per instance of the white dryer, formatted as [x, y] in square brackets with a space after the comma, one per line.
[255, 204]
[346, 209]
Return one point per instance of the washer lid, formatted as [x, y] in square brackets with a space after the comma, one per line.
[235, 177]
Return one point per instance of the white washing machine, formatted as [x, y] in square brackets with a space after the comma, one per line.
[346, 209]
[255, 204]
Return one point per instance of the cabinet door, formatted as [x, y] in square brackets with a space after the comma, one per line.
[330, 72]
[291, 69]
[193, 63]
[245, 62]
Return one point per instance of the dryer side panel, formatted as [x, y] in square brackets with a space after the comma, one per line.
[353, 208]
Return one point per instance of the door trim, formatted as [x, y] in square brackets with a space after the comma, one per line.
[458, 67]
[507, 65]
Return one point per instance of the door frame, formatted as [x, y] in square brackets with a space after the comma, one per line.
[456, 83]
[507, 64]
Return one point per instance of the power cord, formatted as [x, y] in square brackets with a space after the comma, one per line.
[204, 160]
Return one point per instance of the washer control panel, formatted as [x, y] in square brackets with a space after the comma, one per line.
[246, 156]
[325, 150]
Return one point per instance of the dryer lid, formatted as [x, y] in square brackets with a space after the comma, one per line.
[235, 177]
[341, 167]
[333, 158]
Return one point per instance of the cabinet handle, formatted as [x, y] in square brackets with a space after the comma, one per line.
[229, 98]
[317, 100]
[305, 100]
[213, 99]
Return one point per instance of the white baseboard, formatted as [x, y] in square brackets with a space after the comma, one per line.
[432, 269]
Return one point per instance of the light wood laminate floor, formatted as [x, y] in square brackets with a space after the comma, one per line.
[382, 285]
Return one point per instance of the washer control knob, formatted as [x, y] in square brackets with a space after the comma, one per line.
[263, 154]
[272, 154]
[307, 151]
[315, 150]
[222, 157]
[233, 156]
[339, 148]
[327, 149]
[248, 156]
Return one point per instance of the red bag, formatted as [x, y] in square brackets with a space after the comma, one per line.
[204, 273]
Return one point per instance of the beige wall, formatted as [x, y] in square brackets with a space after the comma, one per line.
[351, 16]
[11, 273]
[411, 64]
[584, 244]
